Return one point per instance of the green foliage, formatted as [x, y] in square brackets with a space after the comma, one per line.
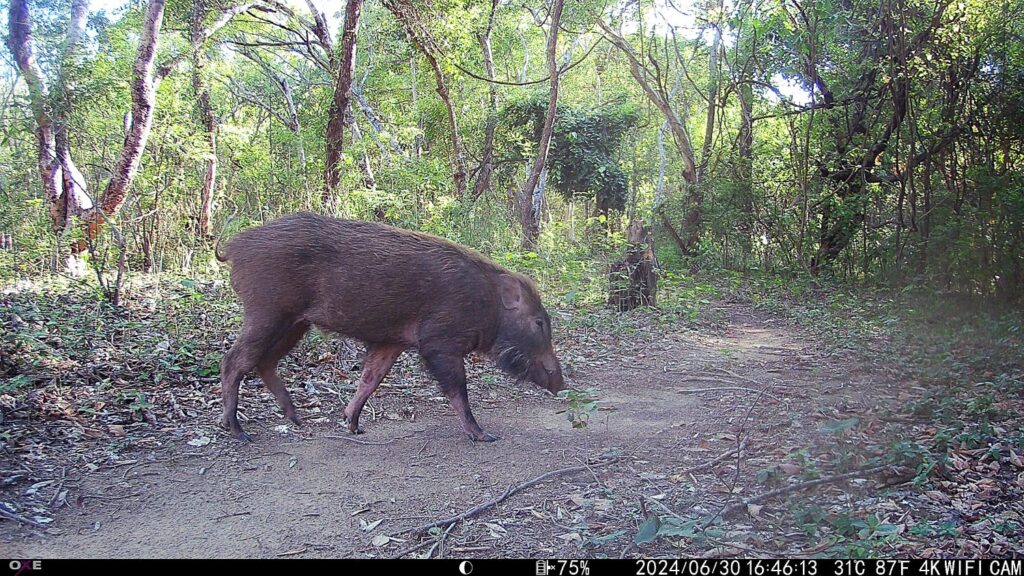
[955, 221]
[583, 147]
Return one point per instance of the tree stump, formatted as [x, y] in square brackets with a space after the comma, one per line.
[633, 281]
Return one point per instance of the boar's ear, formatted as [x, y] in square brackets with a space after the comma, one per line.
[511, 291]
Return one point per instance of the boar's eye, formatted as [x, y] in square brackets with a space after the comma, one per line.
[540, 323]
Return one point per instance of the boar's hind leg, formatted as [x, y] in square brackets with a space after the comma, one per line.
[254, 341]
[267, 369]
[378, 362]
[450, 372]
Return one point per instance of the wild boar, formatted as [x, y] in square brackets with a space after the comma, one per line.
[390, 288]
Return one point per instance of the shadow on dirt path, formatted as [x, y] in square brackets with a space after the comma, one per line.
[678, 400]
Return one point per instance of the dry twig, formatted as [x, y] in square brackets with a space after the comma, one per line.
[722, 388]
[802, 486]
[512, 490]
[715, 460]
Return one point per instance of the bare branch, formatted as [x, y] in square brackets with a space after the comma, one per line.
[198, 40]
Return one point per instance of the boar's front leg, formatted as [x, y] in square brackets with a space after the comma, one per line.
[378, 362]
[450, 371]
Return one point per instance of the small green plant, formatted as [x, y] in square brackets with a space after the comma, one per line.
[809, 469]
[581, 406]
[138, 404]
[809, 518]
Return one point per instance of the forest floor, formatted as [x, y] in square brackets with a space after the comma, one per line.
[742, 430]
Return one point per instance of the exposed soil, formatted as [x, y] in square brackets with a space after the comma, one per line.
[312, 492]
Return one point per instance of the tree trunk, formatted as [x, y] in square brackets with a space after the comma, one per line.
[291, 120]
[529, 206]
[406, 15]
[709, 124]
[375, 122]
[208, 122]
[746, 165]
[693, 220]
[417, 141]
[483, 179]
[632, 281]
[342, 96]
[369, 181]
[76, 198]
[63, 185]
[640, 74]
[145, 77]
[143, 102]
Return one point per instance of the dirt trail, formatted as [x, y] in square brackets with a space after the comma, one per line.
[301, 493]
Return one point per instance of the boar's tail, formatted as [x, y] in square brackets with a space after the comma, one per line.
[216, 251]
[223, 257]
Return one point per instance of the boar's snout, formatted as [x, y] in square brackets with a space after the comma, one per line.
[546, 372]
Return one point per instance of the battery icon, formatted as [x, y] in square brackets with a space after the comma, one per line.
[542, 568]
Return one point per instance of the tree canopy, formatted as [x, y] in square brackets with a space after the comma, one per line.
[877, 142]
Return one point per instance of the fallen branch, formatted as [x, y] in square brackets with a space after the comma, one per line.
[721, 388]
[416, 547]
[512, 490]
[740, 441]
[863, 473]
[440, 542]
[713, 461]
[737, 376]
[10, 515]
[231, 515]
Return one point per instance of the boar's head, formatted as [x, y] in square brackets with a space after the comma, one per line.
[523, 345]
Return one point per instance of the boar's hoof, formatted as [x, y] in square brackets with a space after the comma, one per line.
[483, 437]
[297, 421]
[235, 431]
[353, 428]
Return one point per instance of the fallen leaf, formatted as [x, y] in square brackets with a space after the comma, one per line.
[496, 527]
[199, 442]
[1016, 460]
[380, 540]
[368, 526]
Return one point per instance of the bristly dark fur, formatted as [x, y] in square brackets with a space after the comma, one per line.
[511, 360]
